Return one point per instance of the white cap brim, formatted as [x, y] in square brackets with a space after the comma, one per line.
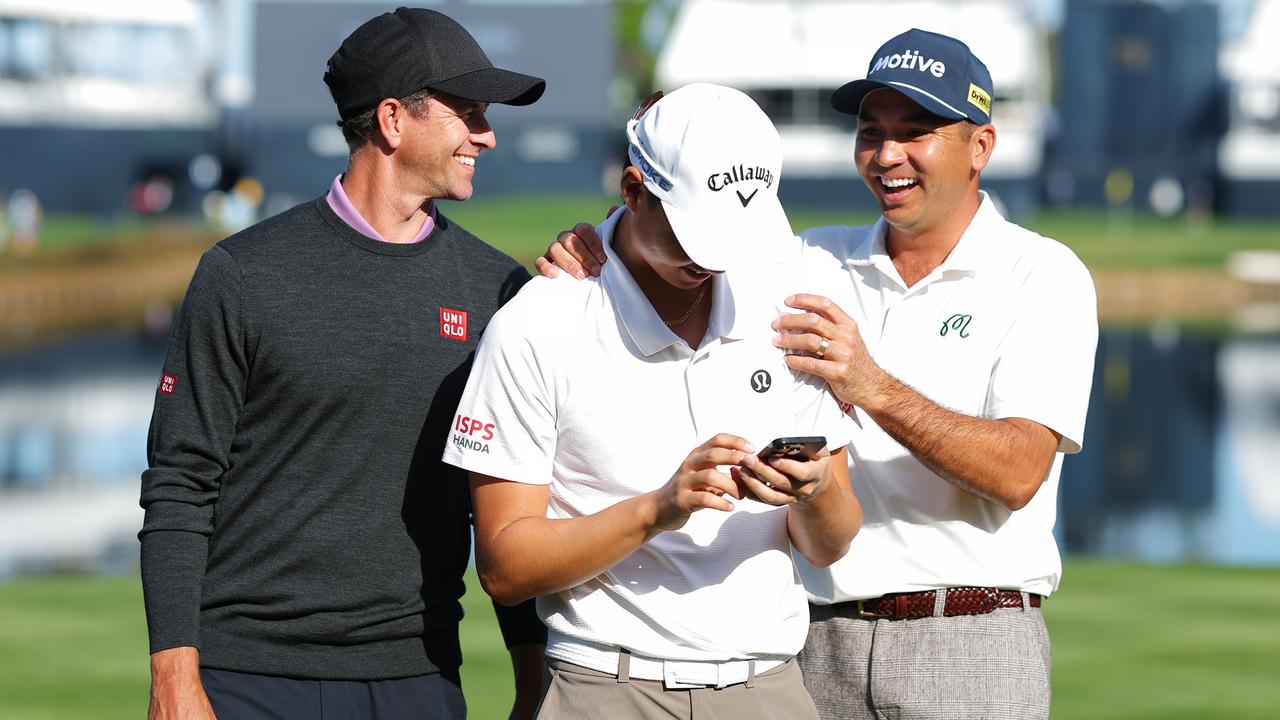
[760, 237]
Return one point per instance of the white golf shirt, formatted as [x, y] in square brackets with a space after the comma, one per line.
[580, 385]
[1005, 327]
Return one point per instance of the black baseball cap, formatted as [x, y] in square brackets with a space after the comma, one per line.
[399, 53]
[938, 72]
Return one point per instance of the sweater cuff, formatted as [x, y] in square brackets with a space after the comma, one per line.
[173, 565]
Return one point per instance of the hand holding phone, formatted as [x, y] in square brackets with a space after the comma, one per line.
[793, 448]
[775, 486]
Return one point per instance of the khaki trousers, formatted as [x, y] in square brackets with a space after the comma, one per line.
[572, 692]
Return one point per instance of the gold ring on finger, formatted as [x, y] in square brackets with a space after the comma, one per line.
[823, 347]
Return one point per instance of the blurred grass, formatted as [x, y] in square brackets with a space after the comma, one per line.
[74, 242]
[1130, 641]
[523, 225]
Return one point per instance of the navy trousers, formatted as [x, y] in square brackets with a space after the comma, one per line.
[245, 696]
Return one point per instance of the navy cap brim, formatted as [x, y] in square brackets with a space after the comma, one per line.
[493, 85]
[848, 98]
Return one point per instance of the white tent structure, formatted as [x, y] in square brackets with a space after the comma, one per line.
[1250, 151]
[790, 55]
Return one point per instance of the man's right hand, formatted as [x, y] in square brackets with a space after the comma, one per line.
[699, 483]
[176, 690]
[577, 252]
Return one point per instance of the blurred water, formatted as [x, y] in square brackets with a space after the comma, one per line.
[1181, 459]
[1182, 450]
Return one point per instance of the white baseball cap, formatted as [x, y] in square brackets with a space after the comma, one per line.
[714, 159]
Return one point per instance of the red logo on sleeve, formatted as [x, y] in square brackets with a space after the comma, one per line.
[472, 434]
[453, 324]
[167, 382]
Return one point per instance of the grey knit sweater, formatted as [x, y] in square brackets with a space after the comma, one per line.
[299, 521]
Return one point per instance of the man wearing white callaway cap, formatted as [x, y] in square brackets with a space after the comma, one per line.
[610, 429]
[966, 356]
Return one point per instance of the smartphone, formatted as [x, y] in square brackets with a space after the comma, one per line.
[794, 448]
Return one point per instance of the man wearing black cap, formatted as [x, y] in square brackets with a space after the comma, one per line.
[968, 365]
[303, 547]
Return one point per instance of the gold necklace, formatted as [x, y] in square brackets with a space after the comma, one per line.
[687, 313]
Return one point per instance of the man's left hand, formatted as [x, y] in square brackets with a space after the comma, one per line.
[782, 481]
[825, 341]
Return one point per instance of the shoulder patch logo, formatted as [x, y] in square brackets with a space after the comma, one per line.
[472, 434]
[167, 383]
[453, 324]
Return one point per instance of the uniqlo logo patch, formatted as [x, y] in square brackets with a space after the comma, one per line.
[167, 382]
[453, 324]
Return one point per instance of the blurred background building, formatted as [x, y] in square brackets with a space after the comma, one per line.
[199, 114]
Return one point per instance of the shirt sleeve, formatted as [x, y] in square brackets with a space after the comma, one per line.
[818, 271]
[819, 411]
[197, 405]
[1044, 369]
[505, 425]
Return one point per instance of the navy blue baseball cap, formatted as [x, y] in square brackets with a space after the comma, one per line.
[937, 72]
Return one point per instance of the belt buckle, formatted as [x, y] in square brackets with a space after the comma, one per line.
[867, 614]
[684, 674]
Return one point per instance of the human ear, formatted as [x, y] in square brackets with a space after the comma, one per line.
[981, 145]
[389, 117]
[631, 185]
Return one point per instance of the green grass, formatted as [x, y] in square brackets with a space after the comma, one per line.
[76, 647]
[523, 225]
[1129, 641]
[1136, 641]
[1103, 240]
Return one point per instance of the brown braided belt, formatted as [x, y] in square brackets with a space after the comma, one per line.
[958, 601]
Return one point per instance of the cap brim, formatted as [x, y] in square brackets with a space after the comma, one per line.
[848, 98]
[494, 85]
[735, 242]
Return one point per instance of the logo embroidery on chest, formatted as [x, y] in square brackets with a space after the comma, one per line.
[453, 324]
[958, 324]
[167, 383]
[761, 381]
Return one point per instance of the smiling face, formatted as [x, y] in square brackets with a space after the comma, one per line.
[922, 168]
[441, 145]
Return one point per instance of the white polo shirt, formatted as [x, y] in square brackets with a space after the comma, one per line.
[1005, 327]
[580, 385]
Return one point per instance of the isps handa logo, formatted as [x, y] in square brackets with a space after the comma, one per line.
[472, 434]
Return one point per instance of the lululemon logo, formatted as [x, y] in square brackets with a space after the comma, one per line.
[760, 381]
[746, 199]
[958, 323]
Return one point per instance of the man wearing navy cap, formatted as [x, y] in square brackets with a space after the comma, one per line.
[968, 368]
[303, 546]
[967, 363]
